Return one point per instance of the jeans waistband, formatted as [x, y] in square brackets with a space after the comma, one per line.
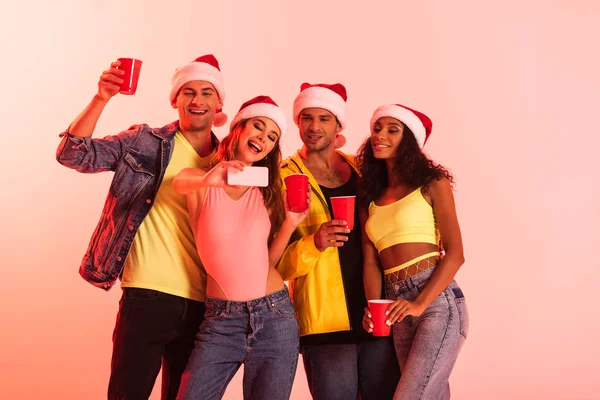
[268, 300]
[407, 284]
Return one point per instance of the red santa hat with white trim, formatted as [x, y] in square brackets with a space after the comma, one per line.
[261, 106]
[417, 122]
[204, 68]
[330, 97]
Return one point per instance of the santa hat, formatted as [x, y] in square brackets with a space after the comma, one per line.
[330, 97]
[205, 68]
[261, 106]
[417, 122]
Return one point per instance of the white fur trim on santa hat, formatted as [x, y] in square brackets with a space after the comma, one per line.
[261, 110]
[197, 71]
[320, 97]
[403, 115]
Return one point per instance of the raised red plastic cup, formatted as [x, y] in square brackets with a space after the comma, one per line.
[132, 68]
[343, 209]
[378, 317]
[297, 189]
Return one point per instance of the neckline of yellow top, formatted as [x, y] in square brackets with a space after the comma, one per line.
[401, 198]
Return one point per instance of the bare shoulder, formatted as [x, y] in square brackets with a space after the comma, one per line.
[440, 189]
[440, 184]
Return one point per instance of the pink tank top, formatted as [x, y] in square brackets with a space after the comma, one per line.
[231, 239]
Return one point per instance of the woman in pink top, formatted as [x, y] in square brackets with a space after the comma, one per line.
[249, 317]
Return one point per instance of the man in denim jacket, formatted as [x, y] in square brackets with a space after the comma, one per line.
[144, 236]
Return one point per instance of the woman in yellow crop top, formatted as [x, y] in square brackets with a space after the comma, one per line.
[409, 207]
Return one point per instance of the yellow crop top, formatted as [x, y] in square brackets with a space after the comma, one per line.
[408, 220]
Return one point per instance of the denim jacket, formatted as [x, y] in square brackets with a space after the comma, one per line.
[139, 156]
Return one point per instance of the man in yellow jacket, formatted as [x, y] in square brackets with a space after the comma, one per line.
[323, 262]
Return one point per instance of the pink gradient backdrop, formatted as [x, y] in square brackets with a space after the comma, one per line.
[511, 87]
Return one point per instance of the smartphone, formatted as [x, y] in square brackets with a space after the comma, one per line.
[250, 176]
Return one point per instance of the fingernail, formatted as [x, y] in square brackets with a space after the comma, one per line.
[371, 326]
[388, 323]
[387, 313]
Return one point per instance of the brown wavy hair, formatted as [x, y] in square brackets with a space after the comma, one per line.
[411, 168]
[272, 194]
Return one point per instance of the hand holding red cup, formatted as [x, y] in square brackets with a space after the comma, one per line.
[297, 190]
[131, 67]
[378, 309]
[343, 209]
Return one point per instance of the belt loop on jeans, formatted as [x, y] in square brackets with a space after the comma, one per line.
[412, 283]
[227, 306]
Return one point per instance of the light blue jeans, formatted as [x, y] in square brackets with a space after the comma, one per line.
[262, 334]
[427, 346]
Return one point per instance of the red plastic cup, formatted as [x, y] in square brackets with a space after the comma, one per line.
[343, 209]
[378, 317]
[132, 68]
[297, 189]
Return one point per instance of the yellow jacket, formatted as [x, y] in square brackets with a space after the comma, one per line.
[315, 278]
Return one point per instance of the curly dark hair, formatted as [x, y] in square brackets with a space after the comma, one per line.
[412, 168]
[273, 193]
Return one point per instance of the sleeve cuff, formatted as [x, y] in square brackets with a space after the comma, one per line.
[310, 247]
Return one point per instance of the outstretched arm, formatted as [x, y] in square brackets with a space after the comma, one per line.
[190, 179]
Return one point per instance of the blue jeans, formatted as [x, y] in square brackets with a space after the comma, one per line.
[427, 346]
[345, 371]
[262, 334]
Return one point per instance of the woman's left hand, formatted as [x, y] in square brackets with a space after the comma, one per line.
[400, 309]
[294, 218]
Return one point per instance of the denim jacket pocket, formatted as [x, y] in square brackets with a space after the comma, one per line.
[131, 175]
[138, 162]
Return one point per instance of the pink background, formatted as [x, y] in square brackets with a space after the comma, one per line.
[511, 87]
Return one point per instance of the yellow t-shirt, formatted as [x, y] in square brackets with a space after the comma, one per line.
[163, 255]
